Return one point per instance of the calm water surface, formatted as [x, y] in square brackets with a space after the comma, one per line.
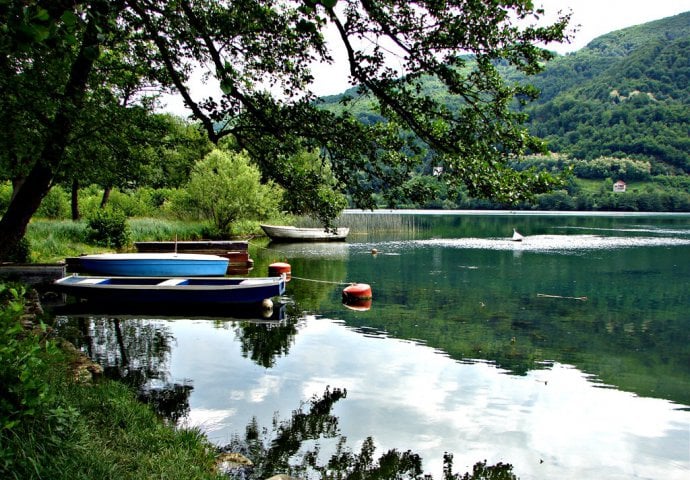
[566, 355]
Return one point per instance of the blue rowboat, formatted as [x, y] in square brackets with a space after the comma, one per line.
[172, 290]
[150, 264]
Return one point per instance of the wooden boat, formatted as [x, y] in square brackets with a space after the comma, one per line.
[517, 237]
[172, 290]
[284, 233]
[236, 251]
[150, 264]
[213, 247]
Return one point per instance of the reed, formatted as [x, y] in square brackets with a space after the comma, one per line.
[373, 223]
[158, 229]
[54, 240]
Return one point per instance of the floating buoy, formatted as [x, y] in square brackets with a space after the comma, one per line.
[374, 251]
[267, 308]
[279, 268]
[356, 292]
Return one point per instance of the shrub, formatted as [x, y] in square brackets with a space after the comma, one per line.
[21, 252]
[225, 187]
[56, 204]
[5, 196]
[108, 227]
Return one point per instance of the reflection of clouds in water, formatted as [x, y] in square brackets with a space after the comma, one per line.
[207, 419]
[408, 396]
[268, 385]
[556, 243]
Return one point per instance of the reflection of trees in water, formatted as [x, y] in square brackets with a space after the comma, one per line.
[170, 401]
[135, 352]
[263, 342]
[283, 450]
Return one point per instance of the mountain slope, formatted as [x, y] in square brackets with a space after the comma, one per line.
[625, 94]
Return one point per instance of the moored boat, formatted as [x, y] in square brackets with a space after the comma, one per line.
[150, 264]
[172, 290]
[285, 233]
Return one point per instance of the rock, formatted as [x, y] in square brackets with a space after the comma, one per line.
[228, 462]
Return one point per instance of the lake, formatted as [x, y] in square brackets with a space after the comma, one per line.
[566, 355]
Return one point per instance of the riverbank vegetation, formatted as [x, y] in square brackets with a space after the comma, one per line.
[61, 419]
[56, 423]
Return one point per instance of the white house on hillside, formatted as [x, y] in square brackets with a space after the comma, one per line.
[619, 186]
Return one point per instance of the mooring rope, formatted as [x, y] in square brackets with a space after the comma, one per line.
[303, 278]
[321, 281]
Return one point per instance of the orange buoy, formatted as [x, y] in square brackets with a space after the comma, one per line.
[357, 292]
[279, 268]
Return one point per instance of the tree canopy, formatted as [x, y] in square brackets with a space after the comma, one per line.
[61, 62]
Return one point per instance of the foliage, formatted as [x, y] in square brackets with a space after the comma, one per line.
[108, 227]
[26, 396]
[55, 204]
[53, 427]
[20, 252]
[316, 191]
[224, 187]
[77, 81]
[622, 95]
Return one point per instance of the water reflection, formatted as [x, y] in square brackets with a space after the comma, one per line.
[473, 345]
[552, 422]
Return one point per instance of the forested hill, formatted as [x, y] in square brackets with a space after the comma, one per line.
[626, 94]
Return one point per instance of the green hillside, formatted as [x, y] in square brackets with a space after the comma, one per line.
[625, 95]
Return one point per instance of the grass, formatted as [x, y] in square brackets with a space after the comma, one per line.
[55, 240]
[53, 426]
[109, 435]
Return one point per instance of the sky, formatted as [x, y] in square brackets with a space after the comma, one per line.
[592, 18]
[597, 17]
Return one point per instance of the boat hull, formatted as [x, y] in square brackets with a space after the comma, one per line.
[151, 264]
[176, 291]
[284, 233]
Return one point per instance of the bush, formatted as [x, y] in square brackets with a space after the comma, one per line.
[225, 187]
[55, 205]
[108, 227]
[27, 397]
[5, 195]
[21, 252]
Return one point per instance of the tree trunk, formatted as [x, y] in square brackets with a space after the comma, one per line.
[75, 200]
[17, 183]
[38, 182]
[106, 196]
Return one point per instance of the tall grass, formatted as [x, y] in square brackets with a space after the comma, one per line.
[157, 229]
[54, 240]
[373, 223]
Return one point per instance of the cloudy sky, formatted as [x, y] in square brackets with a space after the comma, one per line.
[597, 17]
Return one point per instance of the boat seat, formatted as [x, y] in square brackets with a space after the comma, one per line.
[171, 282]
[92, 281]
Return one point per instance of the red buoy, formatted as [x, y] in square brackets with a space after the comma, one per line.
[357, 292]
[278, 268]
